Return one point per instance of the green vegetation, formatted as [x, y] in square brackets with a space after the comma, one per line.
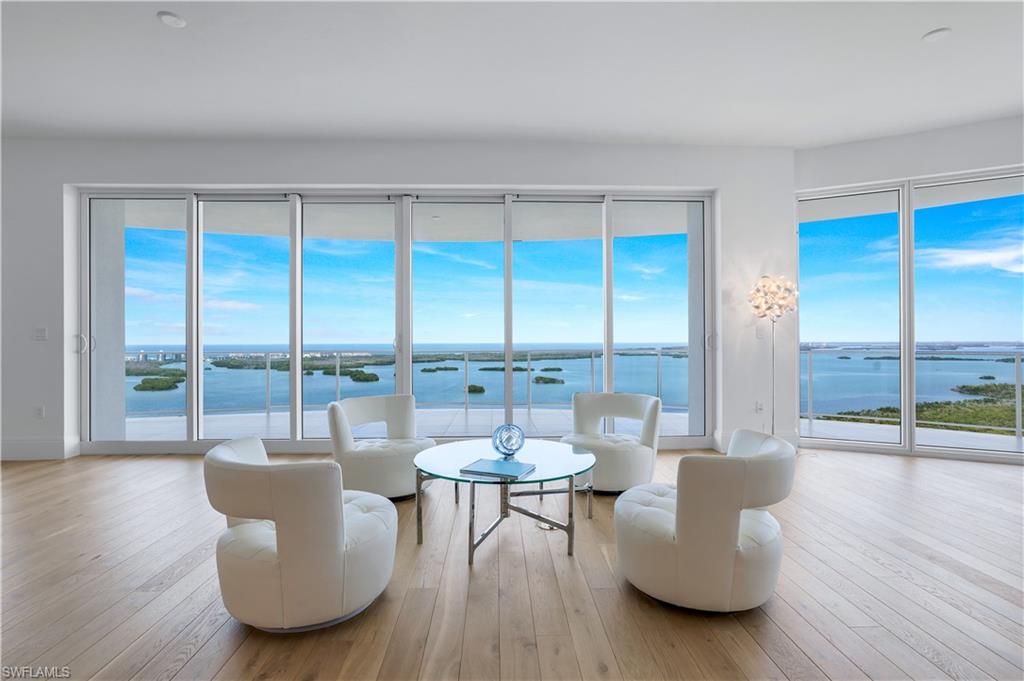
[936, 358]
[157, 377]
[998, 391]
[158, 383]
[547, 380]
[474, 389]
[844, 357]
[325, 365]
[307, 372]
[434, 370]
[987, 377]
[503, 368]
[151, 370]
[995, 408]
[357, 375]
[974, 414]
[551, 369]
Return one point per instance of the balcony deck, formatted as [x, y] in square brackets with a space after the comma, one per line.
[451, 422]
[538, 422]
[929, 437]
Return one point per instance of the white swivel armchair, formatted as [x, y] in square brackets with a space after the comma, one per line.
[299, 553]
[379, 465]
[623, 461]
[708, 543]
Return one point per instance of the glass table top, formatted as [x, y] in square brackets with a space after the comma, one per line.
[553, 461]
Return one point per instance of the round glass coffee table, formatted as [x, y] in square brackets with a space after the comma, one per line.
[553, 461]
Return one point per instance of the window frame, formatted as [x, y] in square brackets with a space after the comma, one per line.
[403, 199]
[908, 343]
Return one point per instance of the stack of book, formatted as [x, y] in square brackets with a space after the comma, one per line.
[505, 469]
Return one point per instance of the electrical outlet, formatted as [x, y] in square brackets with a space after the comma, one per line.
[758, 331]
[758, 407]
[40, 333]
[39, 412]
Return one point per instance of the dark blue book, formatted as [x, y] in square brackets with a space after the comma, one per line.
[498, 468]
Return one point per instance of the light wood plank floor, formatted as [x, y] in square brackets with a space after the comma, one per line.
[895, 569]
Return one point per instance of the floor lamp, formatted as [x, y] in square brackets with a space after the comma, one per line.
[771, 298]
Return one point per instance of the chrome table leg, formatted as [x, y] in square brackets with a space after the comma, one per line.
[472, 520]
[571, 530]
[419, 506]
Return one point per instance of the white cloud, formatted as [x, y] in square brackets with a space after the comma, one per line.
[846, 278]
[215, 304]
[454, 257]
[153, 296]
[645, 271]
[342, 249]
[889, 243]
[1008, 258]
[629, 298]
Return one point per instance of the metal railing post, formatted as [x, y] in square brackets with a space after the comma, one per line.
[593, 372]
[337, 376]
[529, 391]
[267, 355]
[465, 381]
[1018, 417]
[658, 376]
[810, 385]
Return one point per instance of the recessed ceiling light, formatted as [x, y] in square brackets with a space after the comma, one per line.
[435, 217]
[937, 34]
[171, 19]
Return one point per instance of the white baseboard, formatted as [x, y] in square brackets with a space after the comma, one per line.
[30, 449]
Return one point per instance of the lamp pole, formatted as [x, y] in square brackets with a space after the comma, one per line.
[773, 375]
[773, 297]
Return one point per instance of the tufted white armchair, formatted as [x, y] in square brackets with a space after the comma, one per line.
[379, 465]
[707, 542]
[299, 552]
[623, 461]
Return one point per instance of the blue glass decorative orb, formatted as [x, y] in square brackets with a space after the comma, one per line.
[508, 439]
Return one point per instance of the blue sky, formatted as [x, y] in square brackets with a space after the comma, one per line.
[969, 285]
[457, 292]
[969, 275]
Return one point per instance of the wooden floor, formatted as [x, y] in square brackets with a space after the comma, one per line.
[895, 569]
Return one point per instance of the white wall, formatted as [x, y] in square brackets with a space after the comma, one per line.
[977, 146]
[754, 234]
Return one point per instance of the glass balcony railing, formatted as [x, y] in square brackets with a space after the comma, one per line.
[965, 399]
[247, 392]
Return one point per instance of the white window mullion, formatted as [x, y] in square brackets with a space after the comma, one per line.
[507, 237]
[403, 296]
[193, 318]
[908, 349]
[609, 295]
[295, 317]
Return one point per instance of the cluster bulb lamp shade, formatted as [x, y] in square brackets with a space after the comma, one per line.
[771, 298]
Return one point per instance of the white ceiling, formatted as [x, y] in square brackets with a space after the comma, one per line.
[800, 74]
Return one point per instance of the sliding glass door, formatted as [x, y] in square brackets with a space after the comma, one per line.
[850, 317]
[137, 279]
[658, 265]
[912, 322]
[488, 308]
[458, 327]
[245, 318]
[969, 314]
[348, 307]
[557, 310]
